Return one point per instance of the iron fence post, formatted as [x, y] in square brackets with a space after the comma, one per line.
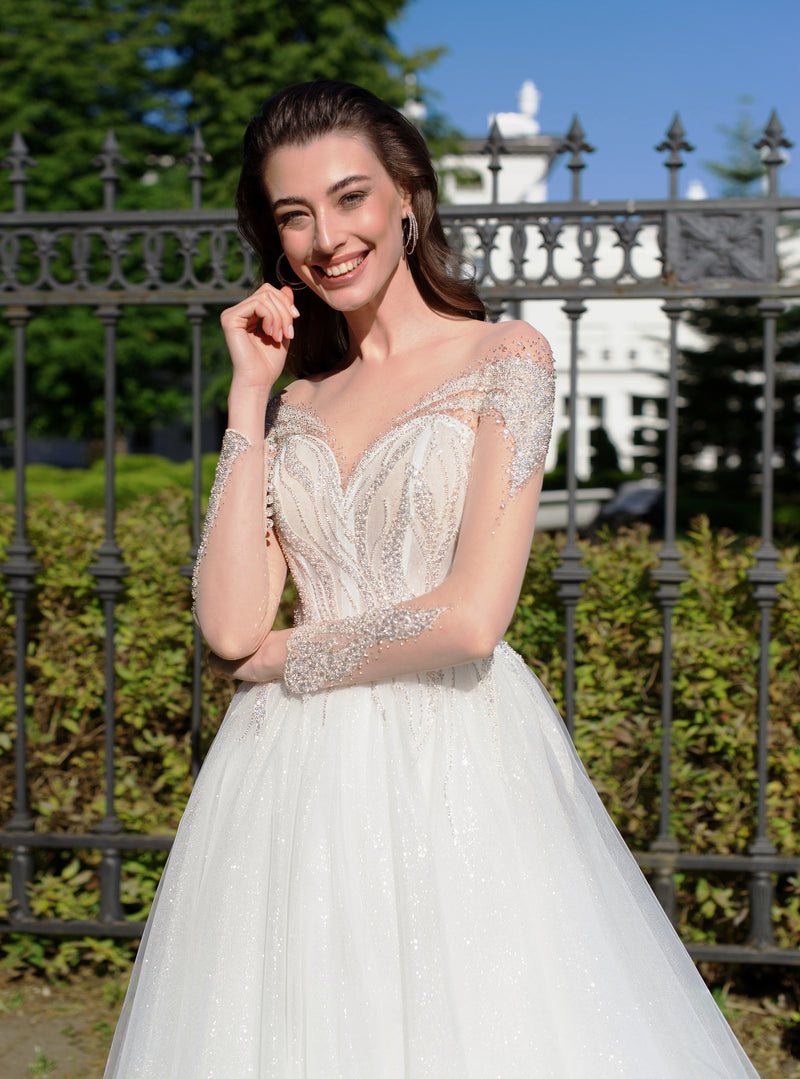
[669, 574]
[20, 570]
[766, 576]
[570, 572]
[109, 570]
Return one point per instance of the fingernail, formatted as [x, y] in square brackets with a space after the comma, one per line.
[279, 336]
[290, 331]
[294, 311]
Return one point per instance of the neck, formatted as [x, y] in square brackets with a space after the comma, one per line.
[392, 323]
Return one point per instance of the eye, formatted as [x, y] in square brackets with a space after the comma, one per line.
[290, 217]
[353, 198]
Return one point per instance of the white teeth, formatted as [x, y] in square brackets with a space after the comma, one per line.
[343, 267]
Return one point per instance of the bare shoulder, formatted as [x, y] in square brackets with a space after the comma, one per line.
[298, 392]
[515, 337]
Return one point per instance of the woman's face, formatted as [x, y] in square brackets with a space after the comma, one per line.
[339, 218]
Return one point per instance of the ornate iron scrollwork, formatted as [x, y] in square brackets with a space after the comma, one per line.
[713, 245]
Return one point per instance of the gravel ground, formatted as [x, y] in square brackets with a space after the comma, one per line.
[64, 1031]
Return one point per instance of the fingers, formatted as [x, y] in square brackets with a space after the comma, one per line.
[268, 310]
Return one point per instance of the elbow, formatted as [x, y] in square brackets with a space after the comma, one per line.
[480, 633]
[228, 643]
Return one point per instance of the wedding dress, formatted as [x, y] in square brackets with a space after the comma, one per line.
[393, 865]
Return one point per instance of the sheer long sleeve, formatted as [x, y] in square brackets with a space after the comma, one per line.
[464, 617]
[239, 571]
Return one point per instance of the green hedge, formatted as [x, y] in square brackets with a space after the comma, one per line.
[619, 627]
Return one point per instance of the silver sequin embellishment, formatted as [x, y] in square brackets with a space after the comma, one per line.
[233, 445]
[322, 654]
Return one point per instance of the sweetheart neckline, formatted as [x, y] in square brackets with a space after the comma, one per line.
[346, 479]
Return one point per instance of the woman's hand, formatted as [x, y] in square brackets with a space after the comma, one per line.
[264, 665]
[257, 332]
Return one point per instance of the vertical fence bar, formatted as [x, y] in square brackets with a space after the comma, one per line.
[196, 315]
[669, 574]
[765, 575]
[109, 571]
[571, 573]
[20, 570]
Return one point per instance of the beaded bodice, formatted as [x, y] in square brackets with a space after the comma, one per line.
[386, 529]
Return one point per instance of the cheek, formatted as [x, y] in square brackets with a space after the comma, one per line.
[295, 242]
[385, 221]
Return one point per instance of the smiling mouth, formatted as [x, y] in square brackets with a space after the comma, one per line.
[343, 267]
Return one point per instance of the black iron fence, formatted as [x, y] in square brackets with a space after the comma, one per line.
[672, 250]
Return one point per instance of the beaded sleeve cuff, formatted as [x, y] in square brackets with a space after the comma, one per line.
[233, 445]
[324, 653]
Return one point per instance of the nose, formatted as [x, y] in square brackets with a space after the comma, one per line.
[328, 234]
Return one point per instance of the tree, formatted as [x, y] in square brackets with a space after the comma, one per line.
[151, 70]
[722, 384]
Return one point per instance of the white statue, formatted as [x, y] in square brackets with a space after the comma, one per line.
[514, 125]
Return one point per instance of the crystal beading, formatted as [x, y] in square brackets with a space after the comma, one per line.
[322, 654]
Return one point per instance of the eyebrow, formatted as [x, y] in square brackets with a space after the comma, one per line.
[293, 200]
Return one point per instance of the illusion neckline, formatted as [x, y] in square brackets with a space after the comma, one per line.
[327, 435]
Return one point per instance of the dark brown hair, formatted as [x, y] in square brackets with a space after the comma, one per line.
[297, 116]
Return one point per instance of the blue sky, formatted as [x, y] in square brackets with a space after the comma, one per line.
[625, 67]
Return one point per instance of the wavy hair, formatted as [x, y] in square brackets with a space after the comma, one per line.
[299, 115]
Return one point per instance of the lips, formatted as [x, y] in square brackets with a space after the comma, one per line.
[342, 268]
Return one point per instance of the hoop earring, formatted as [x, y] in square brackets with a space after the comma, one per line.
[292, 284]
[410, 241]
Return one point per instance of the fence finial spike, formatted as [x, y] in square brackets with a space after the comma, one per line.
[674, 142]
[773, 140]
[18, 160]
[109, 157]
[197, 156]
[494, 147]
[770, 144]
[494, 140]
[575, 143]
[195, 159]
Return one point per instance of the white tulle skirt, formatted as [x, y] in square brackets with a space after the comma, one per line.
[415, 879]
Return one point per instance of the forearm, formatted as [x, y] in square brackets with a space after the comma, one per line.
[236, 587]
[383, 643]
[247, 407]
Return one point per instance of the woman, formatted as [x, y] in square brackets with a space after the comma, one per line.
[392, 864]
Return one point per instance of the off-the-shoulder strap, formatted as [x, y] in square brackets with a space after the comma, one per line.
[283, 418]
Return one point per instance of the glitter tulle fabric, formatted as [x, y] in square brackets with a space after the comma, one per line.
[410, 878]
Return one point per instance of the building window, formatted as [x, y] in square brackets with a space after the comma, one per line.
[649, 407]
